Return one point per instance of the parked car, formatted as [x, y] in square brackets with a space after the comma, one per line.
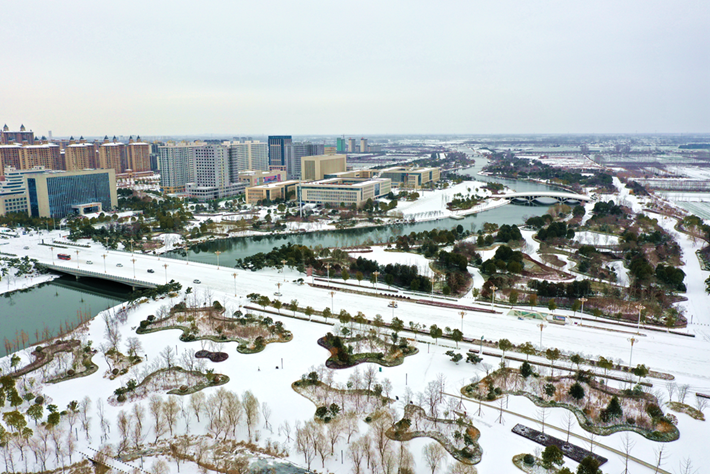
[119, 264]
[26, 247]
[150, 270]
[392, 304]
[196, 282]
[89, 262]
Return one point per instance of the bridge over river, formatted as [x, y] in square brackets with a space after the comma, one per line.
[534, 197]
[78, 272]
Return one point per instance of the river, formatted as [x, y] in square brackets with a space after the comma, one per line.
[61, 300]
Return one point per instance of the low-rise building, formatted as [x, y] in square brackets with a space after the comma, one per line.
[271, 191]
[13, 192]
[412, 178]
[347, 191]
[258, 177]
[208, 193]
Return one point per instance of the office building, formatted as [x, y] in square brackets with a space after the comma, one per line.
[352, 147]
[412, 178]
[301, 149]
[270, 192]
[345, 191]
[316, 167]
[112, 154]
[363, 145]
[80, 155]
[138, 155]
[279, 150]
[60, 193]
[340, 145]
[23, 136]
[13, 193]
[329, 150]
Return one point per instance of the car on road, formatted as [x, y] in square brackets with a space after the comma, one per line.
[26, 247]
[119, 264]
[196, 282]
[150, 270]
[277, 294]
[89, 262]
[392, 304]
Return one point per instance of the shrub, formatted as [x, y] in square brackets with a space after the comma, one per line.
[71, 372]
[144, 324]
[151, 317]
[114, 371]
[529, 459]
[39, 400]
[526, 370]
[183, 388]
[654, 411]
[121, 398]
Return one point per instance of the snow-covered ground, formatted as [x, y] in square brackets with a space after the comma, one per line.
[687, 358]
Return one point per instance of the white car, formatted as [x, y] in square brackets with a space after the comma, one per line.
[119, 264]
[392, 304]
[196, 282]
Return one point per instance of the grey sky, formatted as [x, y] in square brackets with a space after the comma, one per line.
[355, 67]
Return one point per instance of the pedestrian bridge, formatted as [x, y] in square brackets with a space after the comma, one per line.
[77, 272]
[535, 197]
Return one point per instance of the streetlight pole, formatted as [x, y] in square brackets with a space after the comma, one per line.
[278, 288]
[332, 296]
[638, 325]
[235, 283]
[51, 249]
[633, 341]
[394, 303]
[462, 313]
[283, 269]
[134, 267]
[327, 267]
[218, 253]
[493, 295]
[377, 274]
[165, 266]
[104, 256]
[582, 300]
[77, 259]
[541, 326]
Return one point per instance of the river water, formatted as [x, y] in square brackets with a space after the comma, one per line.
[61, 300]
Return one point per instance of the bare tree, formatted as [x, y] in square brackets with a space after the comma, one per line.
[405, 459]
[321, 444]
[251, 410]
[356, 453]
[84, 418]
[378, 429]
[627, 445]
[686, 467]
[138, 417]
[306, 441]
[233, 411]
[103, 422]
[285, 428]
[133, 346]
[370, 377]
[70, 446]
[155, 407]
[168, 356]
[461, 468]
[334, 430]
[541, 417]
[351, 424]
[683, 392]
[701, 403]
[197, 403]
[159, 467]
[433, 455]
[671, 387]
[660, 457]
[266, 413]
[171, 409]
[123, 423]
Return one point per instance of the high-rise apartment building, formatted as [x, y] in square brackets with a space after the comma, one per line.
[176, 166]
[112, 154]
[80, 155]
[363, 145]
[247, 155]
[352, 147]
[23, 136]
[24, 156]
[138, 155]
[340, 145]
[280, 150]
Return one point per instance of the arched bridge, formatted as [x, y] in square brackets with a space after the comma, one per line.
[559, 196]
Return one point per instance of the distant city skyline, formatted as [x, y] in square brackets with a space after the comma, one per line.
[318, 67]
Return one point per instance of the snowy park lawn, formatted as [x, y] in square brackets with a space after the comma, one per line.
[347, 352]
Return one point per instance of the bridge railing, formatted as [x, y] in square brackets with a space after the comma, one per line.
[103, 276]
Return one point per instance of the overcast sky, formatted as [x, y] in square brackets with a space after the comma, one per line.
[355, 67]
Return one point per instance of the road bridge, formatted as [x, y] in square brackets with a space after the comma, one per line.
[78, 272]
[534, 197]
